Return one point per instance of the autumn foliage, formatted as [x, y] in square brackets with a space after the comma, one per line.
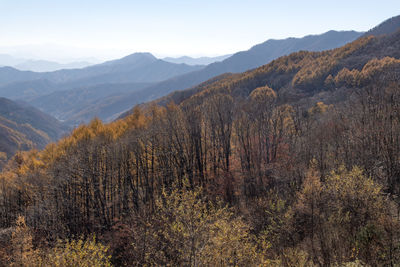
[295, 163]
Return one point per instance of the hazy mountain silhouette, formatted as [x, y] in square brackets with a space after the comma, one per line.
[301, 77]
[139, 69]
[9, 75]
[196, 61]
[27, 90]
[135, 68]
[7, 60]
[66, 104]
[47, 66]
[37, 65]
[256, 56]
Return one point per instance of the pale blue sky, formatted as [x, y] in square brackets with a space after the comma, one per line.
[111, 28]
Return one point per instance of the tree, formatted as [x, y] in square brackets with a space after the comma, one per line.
[23, 253]
[79, 252]
[342, 220]
[308, 214]
[188, 230]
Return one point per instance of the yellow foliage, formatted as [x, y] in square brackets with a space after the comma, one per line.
[203, 233]
[25, 162]
[319, 108]
[345, 185]
[375, 66]
[282, 118]
[23, 253]
[370, 71]
[356, 263]
[347, 77]
[73, 253]
[230, 244]
[315, 69]
[310, 195]
[263, 94]
[82, 253]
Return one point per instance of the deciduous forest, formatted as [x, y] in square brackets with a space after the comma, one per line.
[295, 163]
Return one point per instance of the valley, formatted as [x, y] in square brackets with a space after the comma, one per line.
[286, 154]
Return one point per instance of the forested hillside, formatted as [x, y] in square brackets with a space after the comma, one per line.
[64, 93]
[387, 27]
[295, 163]
[24, 128]
[256, 56]
[82, 104]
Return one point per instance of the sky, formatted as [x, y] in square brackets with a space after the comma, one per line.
[104, 29]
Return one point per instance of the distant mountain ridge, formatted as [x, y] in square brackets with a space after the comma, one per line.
[47, 66]
[135, 68]
[256, 56]
[129, 66]
[160, 76]
[304, 77]
[37, 65]
[7, 60]
[265, 52]
[135, 59]
[196, 61]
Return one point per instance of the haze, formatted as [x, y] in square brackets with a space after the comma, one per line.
[70, 30]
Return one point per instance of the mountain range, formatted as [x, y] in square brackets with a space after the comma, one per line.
[149, 78]
[308, 77]
[241, 61]
[196, 61]
[47, 66]
[307, 72]
[107, 90]
[39, 65]
[294, 162]
[254, 57]
[135, 68]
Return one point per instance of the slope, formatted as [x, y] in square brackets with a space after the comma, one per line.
[65, 104]
[145, 68]
[291, 90]
[387, 27]
[138, 67]
[301, 76]
[241, 61]
[23, 127]
[239, 139]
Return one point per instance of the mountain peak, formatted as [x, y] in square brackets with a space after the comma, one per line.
[140, 58]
